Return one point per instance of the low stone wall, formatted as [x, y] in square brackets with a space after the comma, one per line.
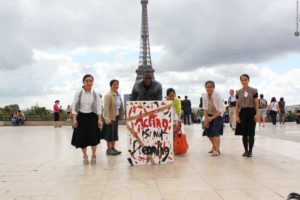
[44, 123]
[36, 123]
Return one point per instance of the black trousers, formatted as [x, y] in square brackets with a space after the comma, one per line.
[273, 116]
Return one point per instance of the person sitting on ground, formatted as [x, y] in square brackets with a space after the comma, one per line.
[20, 118]
[56, 111]
[147, 89]
[263, 105]
[14, 117]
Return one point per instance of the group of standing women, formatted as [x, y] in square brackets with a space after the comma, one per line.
[88, 121]
[246, 108]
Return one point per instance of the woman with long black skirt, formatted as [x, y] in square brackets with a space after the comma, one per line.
[87, 119]
[247, 109]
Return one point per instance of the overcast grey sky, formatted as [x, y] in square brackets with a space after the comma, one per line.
[47, 46]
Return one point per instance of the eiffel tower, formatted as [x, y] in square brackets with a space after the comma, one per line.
[145, 63]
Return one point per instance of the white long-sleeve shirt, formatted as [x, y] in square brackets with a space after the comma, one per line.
[218, 102]
[86, 102]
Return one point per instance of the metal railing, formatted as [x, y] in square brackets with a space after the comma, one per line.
[33, 118]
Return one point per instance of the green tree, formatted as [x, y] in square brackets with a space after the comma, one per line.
[38, 111]
[10, 109]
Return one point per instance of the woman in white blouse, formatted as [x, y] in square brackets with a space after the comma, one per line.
[214, 108]
[274, 109]
[86, 110]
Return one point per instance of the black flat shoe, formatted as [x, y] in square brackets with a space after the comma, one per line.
[245, 154]
[116, 151]
[249, 154]
[111, 152]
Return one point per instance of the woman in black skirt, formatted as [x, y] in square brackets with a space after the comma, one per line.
[213, 111]
[247, 109]
[87, 119]
[113, 112]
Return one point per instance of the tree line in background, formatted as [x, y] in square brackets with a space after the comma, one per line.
[33, 113]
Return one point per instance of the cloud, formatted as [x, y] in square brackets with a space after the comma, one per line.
[194, 33]
[203, 33]
[15, 51]
[47, 46]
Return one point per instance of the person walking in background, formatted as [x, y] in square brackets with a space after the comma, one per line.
[69, 113]
[263, 105]
[147, 89]
[274, 109]
[213, 108]
[56, 111]
[171, 95]
[101, 103]
[297, 116]
[232, 110]
[113, 112]
[247, 110]
[181, 115]
[226, 114]
[187, 110]
[87, 119]
[281, 105]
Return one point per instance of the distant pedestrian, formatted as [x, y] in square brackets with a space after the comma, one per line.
[69, 113]
[56, 112]
[226, 114]
[263, 105]
[274, 109]
[281, 105]
[113, 112]
[213, 108]
[247, 110]
[297, 116]
[87, 119]
[187, 110]
[232, 109]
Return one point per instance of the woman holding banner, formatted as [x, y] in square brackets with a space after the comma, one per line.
[214, 108]
[113, 112]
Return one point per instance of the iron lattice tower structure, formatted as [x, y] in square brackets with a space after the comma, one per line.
[145, 63]
[297, 19]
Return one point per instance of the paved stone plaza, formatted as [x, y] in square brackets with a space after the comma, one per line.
[39, 163]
